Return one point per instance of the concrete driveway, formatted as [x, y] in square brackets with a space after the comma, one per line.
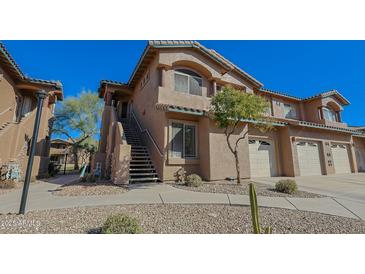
[350, 187]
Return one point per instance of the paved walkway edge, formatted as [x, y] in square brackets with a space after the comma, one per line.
[41, 198]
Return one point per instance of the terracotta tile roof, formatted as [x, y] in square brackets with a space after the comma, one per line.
[315, 125]
[343, 100]
[265, 90]
[9, 63]
[329, 93]
[151, 49]
[201, 112]
[209, 52]
[111, 82]
[174, 108]
[41, 81]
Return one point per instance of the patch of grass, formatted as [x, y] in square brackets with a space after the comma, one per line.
[121, 224]
[288, 186]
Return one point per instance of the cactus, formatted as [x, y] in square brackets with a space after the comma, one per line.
[255, 212]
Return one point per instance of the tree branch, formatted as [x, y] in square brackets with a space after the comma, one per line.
[65, 133]
[239, 139]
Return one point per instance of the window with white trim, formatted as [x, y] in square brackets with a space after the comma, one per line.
[290, 111]
[329, 114]
[187, 81]
[183, 140]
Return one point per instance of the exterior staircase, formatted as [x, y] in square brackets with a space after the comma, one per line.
[141, 168]
[4, 126]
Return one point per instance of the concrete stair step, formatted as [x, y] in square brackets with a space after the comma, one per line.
[152, 179]
[143, 174]
[141, 169]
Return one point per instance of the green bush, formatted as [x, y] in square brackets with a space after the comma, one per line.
[53, 169]
[286, 186]
[7, 184]
[121, 224]
[90, 178]
[193, 180]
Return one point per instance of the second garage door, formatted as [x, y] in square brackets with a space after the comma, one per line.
[341, 159]
[309, 158]
[262, 158]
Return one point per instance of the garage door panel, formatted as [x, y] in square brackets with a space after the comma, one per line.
[341, 159]
[262, 158]
[309, 158]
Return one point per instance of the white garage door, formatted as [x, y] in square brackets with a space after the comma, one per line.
[341, 159]
[262, 158]
[309, 158]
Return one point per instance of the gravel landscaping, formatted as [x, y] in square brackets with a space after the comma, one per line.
[179, 219]
[89, 189]
[18, 185]
[233, 188]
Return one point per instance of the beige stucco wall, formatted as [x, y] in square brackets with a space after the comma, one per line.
[324, 138]
[311, 111]
[7, 97]
[143, 105]
[215, 161]
[222, 162]
[13, 138]
[278, 107]
[175, 58]
[359, 145]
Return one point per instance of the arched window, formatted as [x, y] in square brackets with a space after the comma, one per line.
[187, 81]
[329, 114]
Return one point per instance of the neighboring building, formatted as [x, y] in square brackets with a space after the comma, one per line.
[163, 110]
[17, 113]
[59, 149]
[62, 152]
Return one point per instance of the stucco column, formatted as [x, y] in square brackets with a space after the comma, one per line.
[214, 86]
[108, 98]
[302, 112]
[163, 71]
[339, 118]
[353, 160]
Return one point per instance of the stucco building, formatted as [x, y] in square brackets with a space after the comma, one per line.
[17, 113]
[62, 152]
[158, 123]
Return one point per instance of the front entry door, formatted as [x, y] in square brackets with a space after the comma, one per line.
[124, 110]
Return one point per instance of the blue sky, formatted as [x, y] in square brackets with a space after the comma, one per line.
[301, 68]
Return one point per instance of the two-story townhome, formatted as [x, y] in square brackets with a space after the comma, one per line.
[158, 123]
[17, 114]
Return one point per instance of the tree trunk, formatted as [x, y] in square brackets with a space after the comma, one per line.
[237, 167]
[76, 159]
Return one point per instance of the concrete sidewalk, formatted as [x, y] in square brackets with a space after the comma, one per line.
[41, 198]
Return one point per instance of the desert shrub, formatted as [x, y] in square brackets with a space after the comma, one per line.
[121, 224]
[53, 169]
[91, 178]
[193, 180]
[286, 186]
[180, 175]
[88, 178]
[7, 184]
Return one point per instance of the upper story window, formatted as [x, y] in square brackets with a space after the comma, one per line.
[290, 111]
[329, 114]
[27, 106]
[187, 81]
